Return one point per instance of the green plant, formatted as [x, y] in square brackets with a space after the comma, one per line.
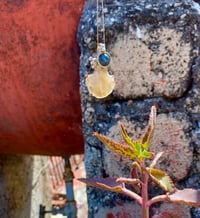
[138, 151]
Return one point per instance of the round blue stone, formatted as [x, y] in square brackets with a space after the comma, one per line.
[104, 59]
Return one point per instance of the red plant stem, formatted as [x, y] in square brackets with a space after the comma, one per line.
[145, 205]
[133, 195]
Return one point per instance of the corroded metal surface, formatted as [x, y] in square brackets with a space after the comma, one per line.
[39, 80]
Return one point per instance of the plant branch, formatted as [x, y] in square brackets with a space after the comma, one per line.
[158, 199]
[155, 160]
[132, 195]
[129, 180]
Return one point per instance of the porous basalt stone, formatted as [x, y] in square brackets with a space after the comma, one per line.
[144, 39]
[143, 63]
[154, 47]
[123, 210]
[173, 210]
[172, 136]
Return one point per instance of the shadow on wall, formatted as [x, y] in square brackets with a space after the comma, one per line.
[15, 188]
[24, 185]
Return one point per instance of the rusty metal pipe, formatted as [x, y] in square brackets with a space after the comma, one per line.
[40, 110]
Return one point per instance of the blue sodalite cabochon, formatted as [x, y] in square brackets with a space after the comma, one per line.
[104, 59]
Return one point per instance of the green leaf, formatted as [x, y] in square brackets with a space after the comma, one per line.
[146, 154]
[187, 196]
[127, 139]
[140, 153]
[145, 146]
[138, 148]
[162, 179]
[146, 139]
[124, 150]
[104, 183]
[138, 145]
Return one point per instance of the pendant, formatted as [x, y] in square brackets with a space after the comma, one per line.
[100, 84]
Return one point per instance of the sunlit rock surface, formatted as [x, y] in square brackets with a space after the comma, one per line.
[154, 47]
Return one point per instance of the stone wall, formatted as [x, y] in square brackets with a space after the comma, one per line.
[154, 45]
[24, 185]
